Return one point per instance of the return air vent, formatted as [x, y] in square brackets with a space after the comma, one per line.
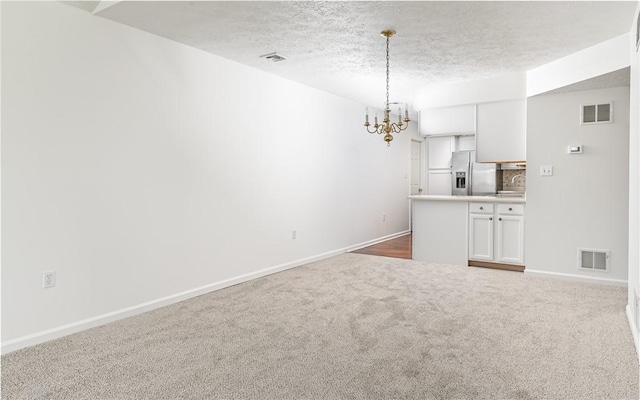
[594, 260]
[596, 113]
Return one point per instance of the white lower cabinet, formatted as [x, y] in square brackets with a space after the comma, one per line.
[510, 239]
[481, 231]
[496, 233]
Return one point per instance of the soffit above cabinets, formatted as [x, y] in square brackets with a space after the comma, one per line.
[337, 47]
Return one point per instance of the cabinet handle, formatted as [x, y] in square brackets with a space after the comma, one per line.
[510, 209]
[481, 208]
[490, 218]
[499, 219]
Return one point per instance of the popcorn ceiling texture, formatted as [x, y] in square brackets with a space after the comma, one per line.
[337, 47]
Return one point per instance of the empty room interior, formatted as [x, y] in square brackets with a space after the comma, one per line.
[320, 200]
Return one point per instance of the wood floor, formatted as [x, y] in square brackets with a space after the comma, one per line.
[396, 248]
[401, 248]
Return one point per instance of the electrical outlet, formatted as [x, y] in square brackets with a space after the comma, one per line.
[294, 234]
[546, 170]
[384, 217]
[48, 279]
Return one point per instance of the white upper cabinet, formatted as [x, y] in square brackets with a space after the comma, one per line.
[501, 131]
[466, 143]
[439, 150]
[448, 120]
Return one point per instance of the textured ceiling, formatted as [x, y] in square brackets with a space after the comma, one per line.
[337, 47]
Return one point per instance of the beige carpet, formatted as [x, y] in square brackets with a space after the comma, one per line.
[352, 327]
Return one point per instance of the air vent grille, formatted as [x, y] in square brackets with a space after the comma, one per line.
[596, 113]
[275, 57]
[593, 260]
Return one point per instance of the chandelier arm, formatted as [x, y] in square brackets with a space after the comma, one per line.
[399, 127]
[375, 130]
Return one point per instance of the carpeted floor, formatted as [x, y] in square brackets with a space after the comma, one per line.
[352, 327]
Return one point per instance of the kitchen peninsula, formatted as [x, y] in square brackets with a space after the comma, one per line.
[469, 230]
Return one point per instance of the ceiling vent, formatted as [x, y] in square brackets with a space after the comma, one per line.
[596, 113]
[275, 57]
[594, 260]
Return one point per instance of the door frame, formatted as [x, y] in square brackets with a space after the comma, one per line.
[423, 173]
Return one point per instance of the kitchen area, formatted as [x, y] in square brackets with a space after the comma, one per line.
[560, 203]
[473, 212]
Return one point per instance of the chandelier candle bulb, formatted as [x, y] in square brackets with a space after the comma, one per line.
[399, 115]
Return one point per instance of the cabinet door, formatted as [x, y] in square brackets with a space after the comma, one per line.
[439, 182]
[439, 151]
[501, 134]
[466, 143]
[481, 237]
[510, 240]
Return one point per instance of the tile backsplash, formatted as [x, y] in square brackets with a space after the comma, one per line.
[514, 180]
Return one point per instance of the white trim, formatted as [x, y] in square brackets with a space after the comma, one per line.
[634, 331]
[64, 330]
[577, 278]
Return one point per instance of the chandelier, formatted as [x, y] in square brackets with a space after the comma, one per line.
[387, 127]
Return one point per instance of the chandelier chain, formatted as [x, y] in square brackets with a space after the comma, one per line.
[387, 71]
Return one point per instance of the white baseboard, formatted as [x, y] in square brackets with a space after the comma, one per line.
[577, 278]
[64, 330]
[634, 331]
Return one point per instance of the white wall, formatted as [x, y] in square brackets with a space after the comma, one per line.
[634, 185]
[144, 171]
[585, 203]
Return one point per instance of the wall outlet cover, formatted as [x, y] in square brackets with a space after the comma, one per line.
[48, 279]
[546, 170]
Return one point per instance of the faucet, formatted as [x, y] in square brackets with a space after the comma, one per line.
[513, 180]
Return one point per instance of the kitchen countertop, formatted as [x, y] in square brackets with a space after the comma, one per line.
[483, 199]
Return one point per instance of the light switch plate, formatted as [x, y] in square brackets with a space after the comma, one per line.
[546, 170]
